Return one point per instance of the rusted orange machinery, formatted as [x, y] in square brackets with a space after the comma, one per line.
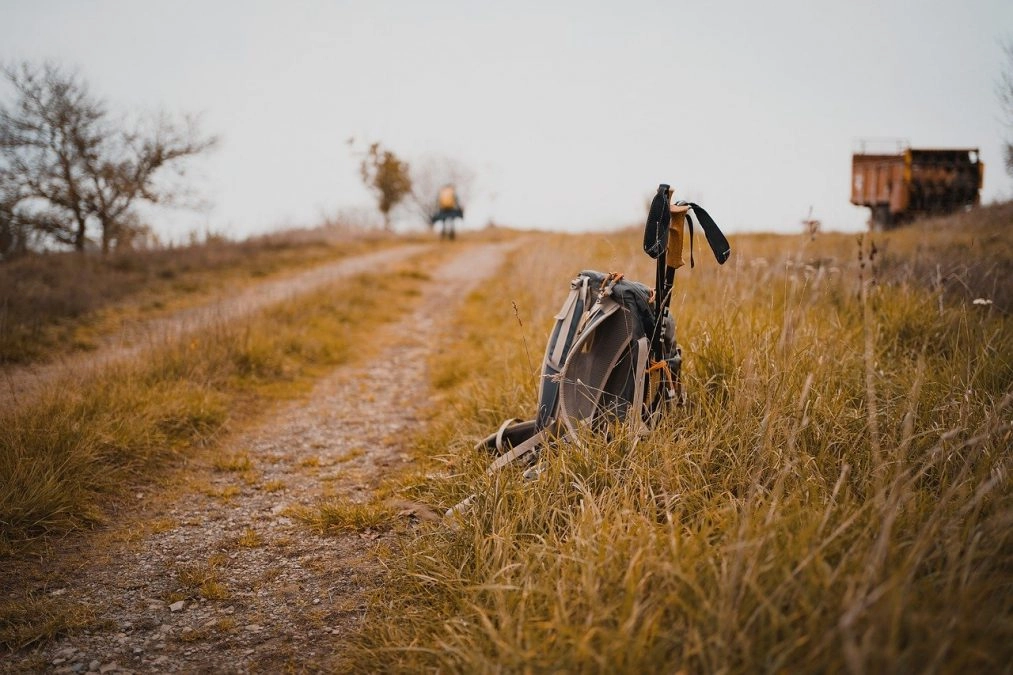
[913, 182]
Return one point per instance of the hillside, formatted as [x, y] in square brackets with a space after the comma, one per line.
[835, 496]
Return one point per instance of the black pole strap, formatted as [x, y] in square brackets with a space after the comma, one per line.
[656, 235]
[718, 243]
[689, 221]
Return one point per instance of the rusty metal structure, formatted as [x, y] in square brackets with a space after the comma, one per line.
[909, 182]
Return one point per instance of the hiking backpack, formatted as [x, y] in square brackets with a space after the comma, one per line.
[594, 373]
[447, 199]
[610, 364]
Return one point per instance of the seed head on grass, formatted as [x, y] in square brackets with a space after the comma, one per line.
[527, 354]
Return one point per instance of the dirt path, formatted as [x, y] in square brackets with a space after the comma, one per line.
[19, 383]
[218, 578]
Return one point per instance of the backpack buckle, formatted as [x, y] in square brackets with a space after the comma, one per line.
[608, 283]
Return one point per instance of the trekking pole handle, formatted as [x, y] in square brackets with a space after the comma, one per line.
[658, 217]
[679, 210]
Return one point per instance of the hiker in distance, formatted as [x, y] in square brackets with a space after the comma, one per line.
[448, 211]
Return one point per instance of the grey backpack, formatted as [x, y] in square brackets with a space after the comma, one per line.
[595, 376]
[611, 364]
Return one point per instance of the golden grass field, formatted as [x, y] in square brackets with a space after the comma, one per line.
[835, 497]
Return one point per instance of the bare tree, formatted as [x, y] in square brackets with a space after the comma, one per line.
[72, 168]
[22, 229]
[14, 233]
[433, 172]
[125, 173]
[1004, 89]
[387, 177]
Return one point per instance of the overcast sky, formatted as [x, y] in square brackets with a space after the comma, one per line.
[569, 113]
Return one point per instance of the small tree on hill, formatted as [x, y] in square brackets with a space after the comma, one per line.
[69, 169]
[388, 177]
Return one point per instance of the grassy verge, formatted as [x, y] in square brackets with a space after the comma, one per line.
[60, 303]
[80, 444]
[836, 498]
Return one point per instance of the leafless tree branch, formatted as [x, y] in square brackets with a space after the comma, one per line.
[72, 169]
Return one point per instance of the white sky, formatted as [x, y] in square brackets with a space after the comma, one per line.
[570, 113]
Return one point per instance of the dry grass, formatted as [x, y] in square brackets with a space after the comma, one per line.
[249, 539]
[338, 515]
[202, 580]
[276, 485]
[836, 497]
[28, 620]
[225, 493]
[958, 258]
[235, 462]
[350, 454]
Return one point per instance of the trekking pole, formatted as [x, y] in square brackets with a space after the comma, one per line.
[656, 244]
[663, 241]
[656, 233]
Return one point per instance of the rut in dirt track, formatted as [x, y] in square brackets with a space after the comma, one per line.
[289, 598]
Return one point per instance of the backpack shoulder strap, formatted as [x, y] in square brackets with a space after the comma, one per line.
[518, 452]
[515, 454]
